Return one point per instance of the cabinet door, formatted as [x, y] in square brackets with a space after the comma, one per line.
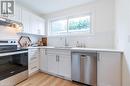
[25, 21]
[109, 69]
[43, 60]
[41, 26]
[33, 68]
[52, 63]
[11, 17]
[65, 66]
[33, 61]
[18, 14]
[33, 23]
[33, 55]
[37, 25]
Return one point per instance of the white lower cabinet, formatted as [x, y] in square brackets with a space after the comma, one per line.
[65, 66]
[109, 69]
[33, 61]
[52, 63]
[33, 68]
[43, 60]
[56, 62]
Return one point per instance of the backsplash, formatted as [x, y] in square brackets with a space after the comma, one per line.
[98, 40]
[7, 33]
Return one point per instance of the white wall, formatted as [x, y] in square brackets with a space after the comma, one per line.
[123, 36]
[103, 24]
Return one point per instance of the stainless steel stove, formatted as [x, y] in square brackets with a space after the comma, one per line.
[13, 63]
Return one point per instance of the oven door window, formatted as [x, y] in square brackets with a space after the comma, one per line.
[13, 64]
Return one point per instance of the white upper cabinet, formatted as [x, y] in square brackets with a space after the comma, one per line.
[25, 21]
[18, 13]
[11, 17]
[32, 24]
[41, 25]
[37, 25]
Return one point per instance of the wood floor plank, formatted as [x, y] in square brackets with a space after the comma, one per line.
[43, 79]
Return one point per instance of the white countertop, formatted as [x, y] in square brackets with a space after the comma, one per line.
[80, 49]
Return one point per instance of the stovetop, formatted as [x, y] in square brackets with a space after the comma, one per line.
[10, 48]
[7, 51]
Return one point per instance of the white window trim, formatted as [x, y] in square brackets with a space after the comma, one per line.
[74, 33]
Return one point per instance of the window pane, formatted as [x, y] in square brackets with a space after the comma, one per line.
[59, 26]
[79, 24]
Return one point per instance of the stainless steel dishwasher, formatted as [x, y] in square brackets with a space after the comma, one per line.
[84, 67]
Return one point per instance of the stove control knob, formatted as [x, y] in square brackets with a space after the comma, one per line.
[11, 41]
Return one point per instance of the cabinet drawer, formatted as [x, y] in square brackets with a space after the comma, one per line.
[33, 59]
[33, 55]
[33, 51]
[34, 67]
[58, 51]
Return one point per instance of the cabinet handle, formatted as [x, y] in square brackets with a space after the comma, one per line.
[83, 55]
[33, 58]
[98, 57]
[45, 52]
[33, 67]
[58, 58]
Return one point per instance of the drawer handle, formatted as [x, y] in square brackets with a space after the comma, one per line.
[45, 52]
[33, 58]
[33, 67]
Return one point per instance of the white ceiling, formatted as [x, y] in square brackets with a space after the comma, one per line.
[48, 6]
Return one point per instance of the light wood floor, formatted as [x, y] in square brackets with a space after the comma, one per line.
[42, 79]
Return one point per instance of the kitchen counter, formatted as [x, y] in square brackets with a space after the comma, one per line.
[75, 49]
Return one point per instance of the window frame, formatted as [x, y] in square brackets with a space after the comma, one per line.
[84, 32]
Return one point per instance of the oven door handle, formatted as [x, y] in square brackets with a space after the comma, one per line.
[12, 53]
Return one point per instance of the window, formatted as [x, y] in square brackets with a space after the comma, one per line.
[59, 26]
[71, 25]
[79, 24]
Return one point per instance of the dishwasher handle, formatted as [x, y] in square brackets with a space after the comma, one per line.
[83, 55]
[83, 58]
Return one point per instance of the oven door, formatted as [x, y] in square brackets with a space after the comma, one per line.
[13, 63]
